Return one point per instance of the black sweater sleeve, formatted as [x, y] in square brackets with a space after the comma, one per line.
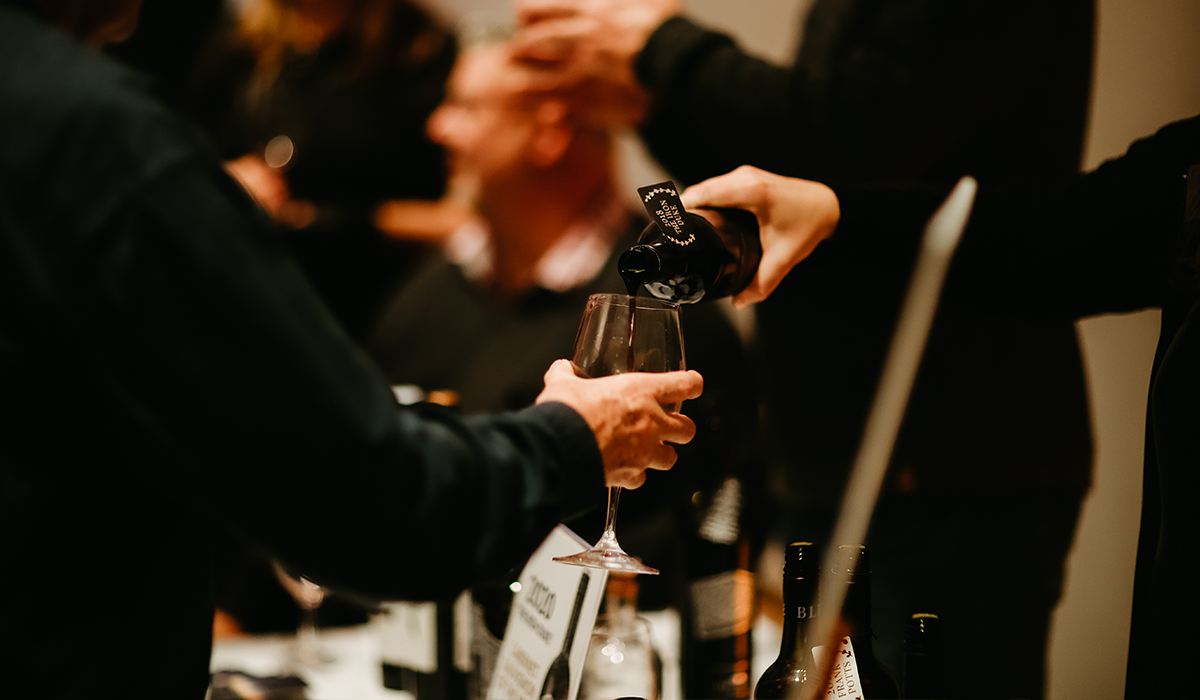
[1106, 242]
[283, 421]
[910, 89]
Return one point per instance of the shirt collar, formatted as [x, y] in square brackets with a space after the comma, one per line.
[574, 259]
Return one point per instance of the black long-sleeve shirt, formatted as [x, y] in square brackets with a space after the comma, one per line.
[1121, 238]
[165, 370]
[890, 92]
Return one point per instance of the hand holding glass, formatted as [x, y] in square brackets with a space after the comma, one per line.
[618, 334]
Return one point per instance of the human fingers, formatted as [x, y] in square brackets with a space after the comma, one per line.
[677, 428]
[550, 40]
[632, 472]
[772, 268]
[660, 457]
[742, 188]
[532, 11]
[559, 371]
[628, 478]
[752, 294]
[671, 387]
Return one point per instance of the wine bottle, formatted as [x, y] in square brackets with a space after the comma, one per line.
[620, 602]
[856, 667]
[425, 646]
[924, 664]
[716, 621]
[422, 649]
[792, 671]
[685, 256]
[492, 604]
[557, 685]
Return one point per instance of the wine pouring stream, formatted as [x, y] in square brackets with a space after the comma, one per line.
[939, 242]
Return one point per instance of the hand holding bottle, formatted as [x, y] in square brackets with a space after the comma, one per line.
[793, 217]
[625, 412]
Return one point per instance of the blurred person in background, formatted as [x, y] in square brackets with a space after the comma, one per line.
[996, 444]
[167, 372]
[319, 106]
[484, 319]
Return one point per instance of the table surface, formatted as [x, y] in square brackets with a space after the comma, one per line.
[354, 673]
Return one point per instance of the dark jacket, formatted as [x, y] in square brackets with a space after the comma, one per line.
[165, 372]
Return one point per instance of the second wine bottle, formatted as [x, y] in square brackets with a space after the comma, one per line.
[791, 675]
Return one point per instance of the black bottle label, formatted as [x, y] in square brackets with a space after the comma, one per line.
[723, 605]
[666, 209]
[685, 256]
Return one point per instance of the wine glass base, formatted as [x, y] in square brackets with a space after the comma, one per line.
[607, 559]
[310, 657]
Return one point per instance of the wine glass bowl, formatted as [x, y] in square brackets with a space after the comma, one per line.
[617, 334]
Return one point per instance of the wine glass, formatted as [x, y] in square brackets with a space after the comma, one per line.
[621, 333]
[309, 653]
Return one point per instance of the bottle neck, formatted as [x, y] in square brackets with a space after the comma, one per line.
[799, 610]
[576, 609]
[645, 263]
[621, 604]
[856, 611]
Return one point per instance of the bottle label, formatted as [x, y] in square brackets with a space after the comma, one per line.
[723, 605]
[844, 681]
[666, 209]
[408, 636]
[721, 521]
[464, 613]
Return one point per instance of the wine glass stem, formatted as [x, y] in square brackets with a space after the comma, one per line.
[610, 520]
[306, 637]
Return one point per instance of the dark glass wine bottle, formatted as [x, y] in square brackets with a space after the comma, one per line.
[557, 685]
[716, 621]
[492, 604]
[788, 676]
[412, 631]
[924, 663]
[406, 634]
[852, 568]
[686, 256]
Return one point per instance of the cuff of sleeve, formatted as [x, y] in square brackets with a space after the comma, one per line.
[671, 50]
[582, 480]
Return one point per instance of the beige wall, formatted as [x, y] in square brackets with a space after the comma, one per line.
[1147, 74]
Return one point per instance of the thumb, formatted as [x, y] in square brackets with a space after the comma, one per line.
[752, 294]
[559, 371]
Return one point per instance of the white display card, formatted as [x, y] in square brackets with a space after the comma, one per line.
[541, 613]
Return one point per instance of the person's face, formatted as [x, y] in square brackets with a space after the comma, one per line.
[485, 131]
